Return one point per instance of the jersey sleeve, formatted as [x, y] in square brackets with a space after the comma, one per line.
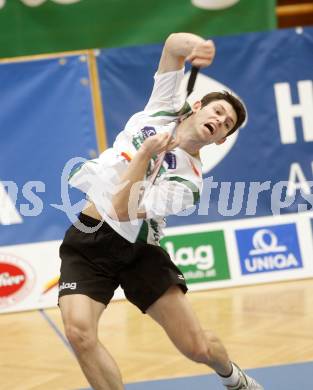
[165, 105]
[165, 97]
[169, 197]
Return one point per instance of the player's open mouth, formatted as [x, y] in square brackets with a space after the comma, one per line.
[211, 129]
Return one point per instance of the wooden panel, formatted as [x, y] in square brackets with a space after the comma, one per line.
[291, 13]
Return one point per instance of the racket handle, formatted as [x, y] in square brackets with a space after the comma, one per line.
[192, 79]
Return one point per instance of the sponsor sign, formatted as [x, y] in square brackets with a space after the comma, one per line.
[17, 280]
[269, 249]
[200, 256]
[283, 113]
[30, 193]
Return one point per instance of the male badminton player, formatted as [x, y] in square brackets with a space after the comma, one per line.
[129, 193]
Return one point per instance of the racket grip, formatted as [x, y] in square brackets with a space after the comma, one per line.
[192, 79]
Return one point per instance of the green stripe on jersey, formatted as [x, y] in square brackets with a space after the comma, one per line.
[75, 170]
[190, 185]
[78, 168]
[143, 233]
[184, 110]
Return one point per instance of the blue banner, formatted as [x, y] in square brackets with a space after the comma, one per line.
[269, 249]
[46, 118]
[267, 168]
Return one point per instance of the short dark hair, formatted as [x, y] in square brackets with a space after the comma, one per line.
[231, 99]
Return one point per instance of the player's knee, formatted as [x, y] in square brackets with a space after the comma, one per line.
[205, 348]
[198, 348]
[201, 353]
[211, 337]
[80, 336]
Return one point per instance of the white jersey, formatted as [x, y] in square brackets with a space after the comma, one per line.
[179, 182]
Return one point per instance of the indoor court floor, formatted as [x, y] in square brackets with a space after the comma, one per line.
[267, 329]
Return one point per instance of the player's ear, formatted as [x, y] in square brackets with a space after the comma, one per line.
[221, 141]
[196, 106]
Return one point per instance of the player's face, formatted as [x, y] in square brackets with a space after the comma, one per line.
[214, 121]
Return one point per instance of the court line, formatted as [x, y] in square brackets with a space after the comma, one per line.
[296, 376]
[56, 330]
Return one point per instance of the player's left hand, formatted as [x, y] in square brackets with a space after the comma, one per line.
[158, 143]
[202, 54]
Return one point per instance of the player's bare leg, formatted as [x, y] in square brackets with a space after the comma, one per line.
[174, 313]
[81, 316]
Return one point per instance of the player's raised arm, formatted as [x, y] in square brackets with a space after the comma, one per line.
[181, 47]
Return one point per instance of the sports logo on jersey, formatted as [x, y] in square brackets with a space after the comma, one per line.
[148, 131]
[170, 159]
[268, 249]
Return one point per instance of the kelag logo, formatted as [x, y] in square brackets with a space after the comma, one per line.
[200, 256]
[267, 249]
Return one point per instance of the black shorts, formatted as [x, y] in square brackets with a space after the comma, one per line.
[95, 264]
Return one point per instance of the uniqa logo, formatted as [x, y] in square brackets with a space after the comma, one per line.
[16, 280]
[267, 254]
[202, 256]
[36, 3]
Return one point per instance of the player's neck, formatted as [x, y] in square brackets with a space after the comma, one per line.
[187, 139]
